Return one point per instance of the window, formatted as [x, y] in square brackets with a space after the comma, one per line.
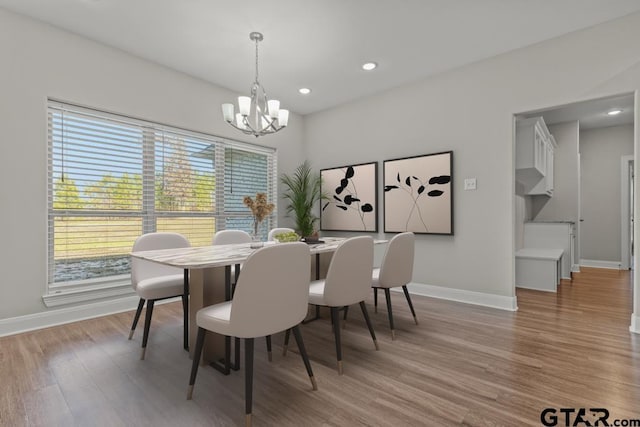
[112, 178]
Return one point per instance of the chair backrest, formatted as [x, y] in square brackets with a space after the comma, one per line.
[230, 237]
[273, 290]
[275, 231]
[348, 279]
[141, 269]
[397, 265]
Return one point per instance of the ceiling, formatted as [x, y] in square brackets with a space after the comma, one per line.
[591, 114]
[320, 44]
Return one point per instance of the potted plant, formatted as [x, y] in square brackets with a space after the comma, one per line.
[302, 194]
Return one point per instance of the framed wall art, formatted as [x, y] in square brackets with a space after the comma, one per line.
[418, 194]
[353, 198]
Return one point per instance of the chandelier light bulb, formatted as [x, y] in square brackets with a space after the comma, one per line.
[227, 112]
[283, 118]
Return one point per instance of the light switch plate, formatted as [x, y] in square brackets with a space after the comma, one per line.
[470, 184]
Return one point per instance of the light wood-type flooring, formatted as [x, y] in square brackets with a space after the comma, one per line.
[462, 365]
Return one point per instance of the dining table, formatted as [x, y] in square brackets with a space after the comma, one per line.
[208, 280]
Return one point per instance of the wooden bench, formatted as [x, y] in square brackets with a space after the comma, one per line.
[538, 268]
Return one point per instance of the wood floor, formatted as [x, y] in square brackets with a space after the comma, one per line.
[463, 365]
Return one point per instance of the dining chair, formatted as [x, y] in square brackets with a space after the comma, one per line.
[348, 282]
[396, 270]
[153, 282]
[275, 231]
[232, 237]
[229, 237]
[271, 296]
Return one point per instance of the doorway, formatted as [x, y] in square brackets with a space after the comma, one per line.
[583, 161]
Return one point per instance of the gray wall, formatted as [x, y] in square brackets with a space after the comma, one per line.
[469, 110]
[39, 61]
[601, 151]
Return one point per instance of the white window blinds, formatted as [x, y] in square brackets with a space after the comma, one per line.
[113, 178]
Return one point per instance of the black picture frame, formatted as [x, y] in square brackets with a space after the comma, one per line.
[353, 198]
[418, 194]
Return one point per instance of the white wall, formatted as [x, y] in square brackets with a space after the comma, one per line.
[469, 110]
[39, 61]
[601, 151]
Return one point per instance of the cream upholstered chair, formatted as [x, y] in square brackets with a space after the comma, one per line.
[233, 237]
[229, 237]
[348, 282]
[153, 281]
[275, 231]
[271, 296]
[396, 270]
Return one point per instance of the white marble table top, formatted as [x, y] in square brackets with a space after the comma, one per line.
[221, 255]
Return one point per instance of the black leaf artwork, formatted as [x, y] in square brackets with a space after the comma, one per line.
[346, 199]
[442, 179]
[325, 205]
[415, 194]
[350, 172]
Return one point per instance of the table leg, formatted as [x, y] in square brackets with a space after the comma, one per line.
[205, 289]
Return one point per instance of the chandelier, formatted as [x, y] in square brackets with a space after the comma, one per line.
[257, 115]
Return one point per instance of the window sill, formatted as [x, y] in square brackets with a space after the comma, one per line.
[88, 293]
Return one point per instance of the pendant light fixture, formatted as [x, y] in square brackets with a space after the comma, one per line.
[257, 115]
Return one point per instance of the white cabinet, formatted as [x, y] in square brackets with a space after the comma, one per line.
[534, 156]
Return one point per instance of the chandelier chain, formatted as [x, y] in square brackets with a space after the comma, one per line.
[257, 41]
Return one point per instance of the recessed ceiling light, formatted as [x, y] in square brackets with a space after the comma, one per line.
[304, 91]
[614, 112]
[369, 66]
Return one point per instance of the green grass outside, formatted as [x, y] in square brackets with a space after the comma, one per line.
[82, 237]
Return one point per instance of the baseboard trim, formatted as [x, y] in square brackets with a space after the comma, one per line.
[47, 319]
[613, 265]
[464, 296]
[635, 324]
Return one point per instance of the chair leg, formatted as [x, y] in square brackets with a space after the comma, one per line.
[185, 310]
[285, 346]
[185, 321]
[406, 294]
[336, 331]
[248, 379]
[147, 324]
[365, 313]
[303, 353]
[375, 300]
[196, 361]
[269, 356]
[236, 363]
[387, 295]
[136, 317]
